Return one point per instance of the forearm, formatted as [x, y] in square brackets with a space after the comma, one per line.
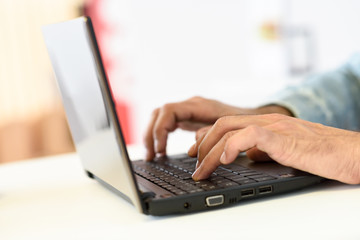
[332, 99]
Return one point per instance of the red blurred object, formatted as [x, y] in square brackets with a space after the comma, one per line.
[123, 113]
[102, 30]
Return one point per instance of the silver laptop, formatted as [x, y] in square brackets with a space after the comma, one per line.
[163, 186]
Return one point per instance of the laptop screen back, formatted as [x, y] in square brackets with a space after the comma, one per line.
[88, 104]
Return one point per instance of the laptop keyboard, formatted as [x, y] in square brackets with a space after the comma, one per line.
[174, 174]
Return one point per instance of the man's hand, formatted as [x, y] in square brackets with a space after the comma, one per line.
[329, 152]
[191, 114]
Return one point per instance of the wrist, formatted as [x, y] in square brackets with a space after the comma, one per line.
[354, 158]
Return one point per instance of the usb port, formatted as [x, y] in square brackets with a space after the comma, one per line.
[265, 189]
[247, 192]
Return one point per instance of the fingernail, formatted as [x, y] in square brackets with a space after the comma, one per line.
[223, 158]
[195, 175]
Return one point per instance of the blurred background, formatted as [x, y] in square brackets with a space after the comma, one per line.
[159, 51]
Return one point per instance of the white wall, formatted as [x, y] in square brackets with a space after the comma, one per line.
[335, 25]
[171, 50]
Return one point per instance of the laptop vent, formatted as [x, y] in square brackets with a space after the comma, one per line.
[233, 200]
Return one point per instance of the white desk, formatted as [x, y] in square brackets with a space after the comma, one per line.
[51, 198]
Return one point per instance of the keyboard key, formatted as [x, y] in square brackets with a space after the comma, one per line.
[185, 176]
[228, 174]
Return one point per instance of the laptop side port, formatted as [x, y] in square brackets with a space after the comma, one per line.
[247, 193]
[265, 189]
[214, 200]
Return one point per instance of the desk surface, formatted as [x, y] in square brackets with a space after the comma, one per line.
[51, 198]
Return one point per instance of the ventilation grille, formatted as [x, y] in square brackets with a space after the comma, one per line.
[233, 200]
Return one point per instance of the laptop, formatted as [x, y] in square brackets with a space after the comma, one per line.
[163, 186]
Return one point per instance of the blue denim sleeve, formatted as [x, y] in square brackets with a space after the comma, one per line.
[331, 99]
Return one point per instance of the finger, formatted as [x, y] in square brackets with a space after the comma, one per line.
[193, 150]
[190, 126]
[200, 134]
[199, 138]
[224, 125]
[251, 137]
[212, 160]
[168, 118]
[148, 137]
